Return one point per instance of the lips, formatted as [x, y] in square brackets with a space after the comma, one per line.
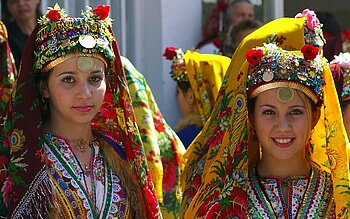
[283, 142]
[83, 109]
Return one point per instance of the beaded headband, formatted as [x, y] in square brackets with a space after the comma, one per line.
[178, 69]
[343, 61]
[272, 67]
[60, 37]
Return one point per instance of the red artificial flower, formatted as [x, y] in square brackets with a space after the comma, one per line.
[217, 42]
[310, 52]
[170, 52]
[222, 5]
[254, 55]
[345, 34]
[53, 14]
[102, 11]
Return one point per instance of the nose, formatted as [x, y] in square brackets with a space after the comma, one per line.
[84, 90]
[283, 124]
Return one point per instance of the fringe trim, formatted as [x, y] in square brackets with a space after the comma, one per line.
[37, 200]
[192, 119]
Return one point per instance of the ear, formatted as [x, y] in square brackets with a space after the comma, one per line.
[315, 117]
[191, 99]
[43, 89]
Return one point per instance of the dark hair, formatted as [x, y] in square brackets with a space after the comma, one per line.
[6, 16]
[184, 86]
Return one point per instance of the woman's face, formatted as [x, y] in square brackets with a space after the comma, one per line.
[185, 100]
[75, 90]
[282, 128]
[23, 10]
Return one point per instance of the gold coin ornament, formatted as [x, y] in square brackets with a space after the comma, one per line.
[87, 41]
[285, 94]
[85, 64]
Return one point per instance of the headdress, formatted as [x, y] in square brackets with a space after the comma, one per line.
[270, 67]
[215, 177]
[178, 69]
[345, 37]
[340, 67]
[60, 36]
[55, 38]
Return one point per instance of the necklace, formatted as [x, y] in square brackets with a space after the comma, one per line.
[86, 169]
[81, 143]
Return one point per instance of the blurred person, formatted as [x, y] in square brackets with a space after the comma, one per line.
[211, 39]
[162, 146]
[242, 30]
[332, 33]
[20, 18]
[8, 71]
[198, 77]
[340, 67]
[237, 12]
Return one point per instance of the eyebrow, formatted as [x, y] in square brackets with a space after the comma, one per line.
[293, 106]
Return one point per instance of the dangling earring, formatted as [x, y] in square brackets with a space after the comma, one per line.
[43, 99]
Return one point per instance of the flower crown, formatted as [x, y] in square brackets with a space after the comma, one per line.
[60, 35]
[178, 69]
[313, 34]
[343, 60]
[270, 67]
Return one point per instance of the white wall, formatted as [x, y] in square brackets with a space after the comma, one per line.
[157, 24]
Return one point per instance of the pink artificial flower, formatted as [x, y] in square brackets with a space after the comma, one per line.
[312, 20]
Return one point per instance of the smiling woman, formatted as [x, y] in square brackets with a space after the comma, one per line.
[281, 151]
[70, 130]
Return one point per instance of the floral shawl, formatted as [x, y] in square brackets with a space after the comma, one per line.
[162, 146]
[214, 179]
[7, 69]
[205, 73]
[22, 128]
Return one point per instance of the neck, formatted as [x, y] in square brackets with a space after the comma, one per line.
[82, 131]
[26, 26]
[299, 166]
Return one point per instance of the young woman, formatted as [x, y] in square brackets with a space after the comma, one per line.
[274, 146]
[70, 136]
[198, 78]
[340, 67]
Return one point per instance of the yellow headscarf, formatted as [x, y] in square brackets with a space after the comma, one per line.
[222, 146]
[162, 146]
[205, 73]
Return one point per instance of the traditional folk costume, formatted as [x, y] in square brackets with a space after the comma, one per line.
[42, 177]
[8, 70]
[219, 179]
[204, 73]
[162, 147]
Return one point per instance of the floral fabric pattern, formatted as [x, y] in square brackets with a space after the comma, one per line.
[162, 146]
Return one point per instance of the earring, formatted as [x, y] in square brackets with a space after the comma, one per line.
[43, 99]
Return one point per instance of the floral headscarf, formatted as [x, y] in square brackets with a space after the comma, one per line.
[54, 39]
[215, 179]
[162, 146]
[204, 72]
